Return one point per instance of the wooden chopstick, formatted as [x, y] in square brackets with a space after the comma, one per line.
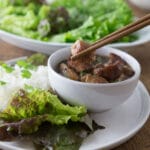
[140, 23]
[146, 17]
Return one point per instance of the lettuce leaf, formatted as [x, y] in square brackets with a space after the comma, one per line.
[99, 18]
[48, 136]
[66, 137]
[43, 105]
[25, 18]
[39, 116]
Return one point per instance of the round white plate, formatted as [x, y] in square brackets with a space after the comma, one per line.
[121, 124]
[50, 47]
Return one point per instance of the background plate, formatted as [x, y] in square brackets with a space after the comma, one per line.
[50, 47]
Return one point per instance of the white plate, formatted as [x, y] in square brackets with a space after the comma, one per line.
[50, 47]
[121, 124]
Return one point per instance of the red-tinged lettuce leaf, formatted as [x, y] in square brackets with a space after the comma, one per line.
[57, 137]
[41, 117]
[31, 125]
[68, 137]
[65, 137]
[27, 104]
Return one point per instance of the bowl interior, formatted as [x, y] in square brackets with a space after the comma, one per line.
[64, 54]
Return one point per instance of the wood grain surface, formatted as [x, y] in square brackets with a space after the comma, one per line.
[141, 141]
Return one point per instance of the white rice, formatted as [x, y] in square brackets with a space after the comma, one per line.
[15, 81]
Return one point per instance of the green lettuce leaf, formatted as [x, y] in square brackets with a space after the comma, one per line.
[33, 102]
[37, 59]
[25, 18]
[99, 19]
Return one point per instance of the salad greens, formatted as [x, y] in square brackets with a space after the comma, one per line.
[2, 83]
[49, 136]
[39, 116]
[70, 136]
[8, 68]
[65, 20]
[26, 73]
[37, 59]
[33, 61]
[45, 120]
[41, 102]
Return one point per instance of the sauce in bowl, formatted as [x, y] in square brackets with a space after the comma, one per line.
[94, 68]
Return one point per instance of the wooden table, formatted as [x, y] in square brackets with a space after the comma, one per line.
[141, 141]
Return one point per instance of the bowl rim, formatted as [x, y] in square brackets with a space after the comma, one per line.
[114, 50]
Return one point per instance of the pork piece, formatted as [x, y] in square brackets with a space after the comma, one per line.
[82, 63]
[122, 77]
[122, 65]
[68, 72]
[113, 58]
[127, 70]
[111, 72]
[93, 79]
[99, 65]
[115, 69]
[78, 46]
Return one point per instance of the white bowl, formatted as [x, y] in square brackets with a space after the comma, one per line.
[144, 4]
[96, 97]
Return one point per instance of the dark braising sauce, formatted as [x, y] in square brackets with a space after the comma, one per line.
[94, 68]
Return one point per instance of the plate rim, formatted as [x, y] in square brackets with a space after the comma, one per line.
[117, 45]
[136, 127]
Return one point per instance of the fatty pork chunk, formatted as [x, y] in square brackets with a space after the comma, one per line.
[68, 72]
[82, 63]
[89, 78]
[116, 69]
